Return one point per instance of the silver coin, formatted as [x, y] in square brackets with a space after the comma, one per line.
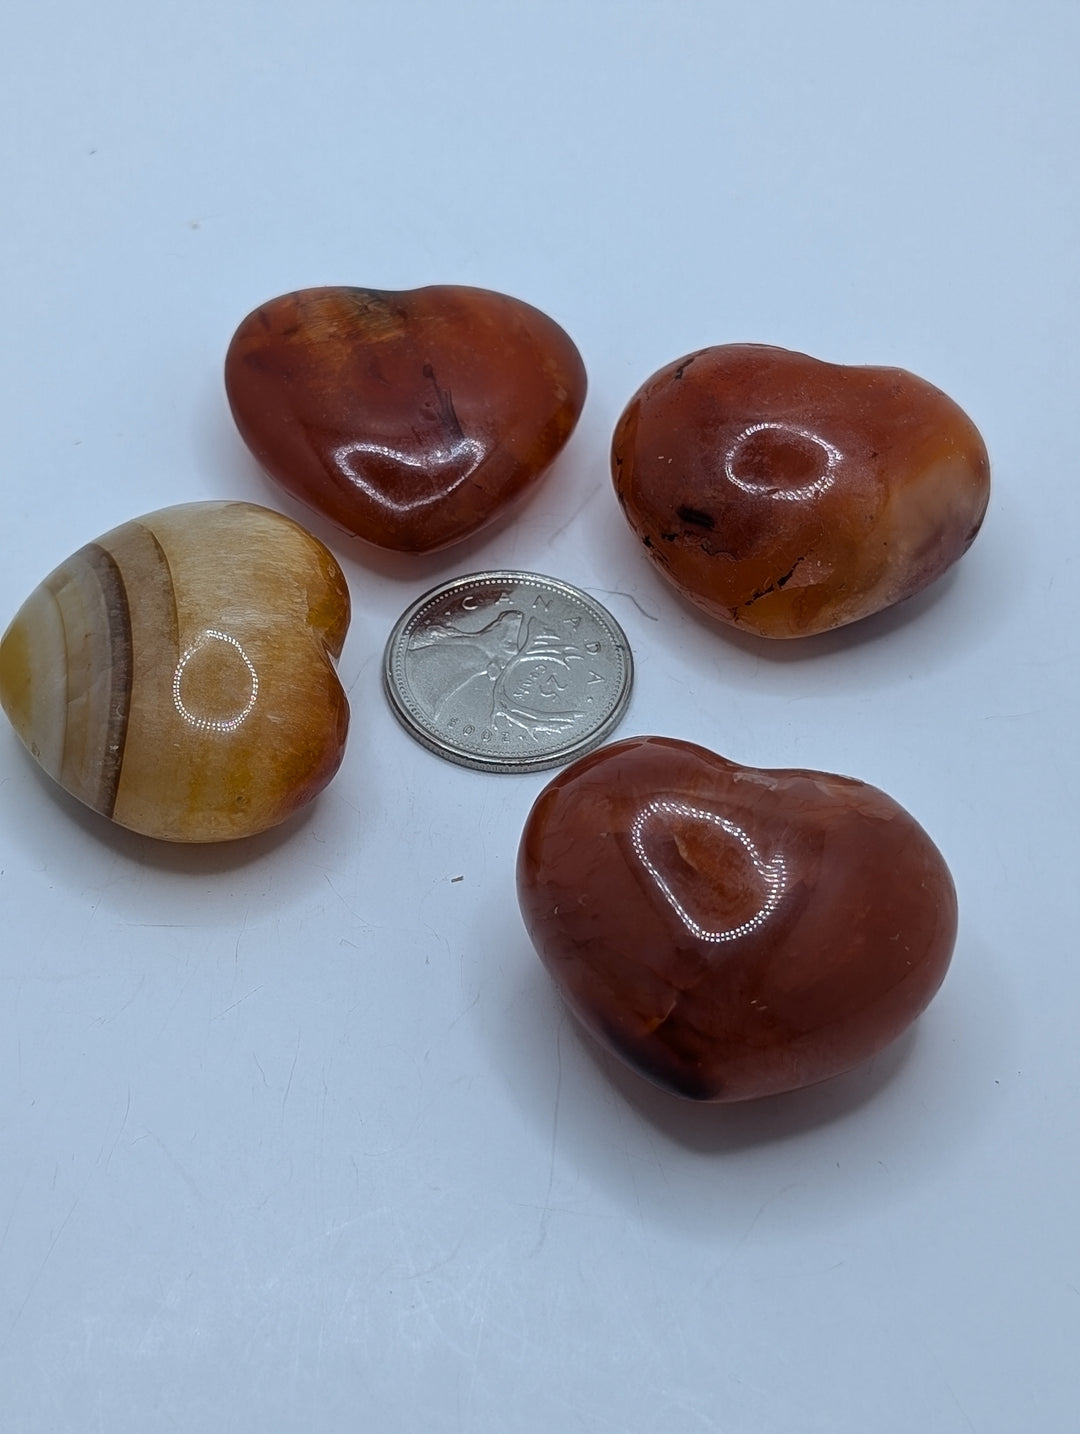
[508, 671]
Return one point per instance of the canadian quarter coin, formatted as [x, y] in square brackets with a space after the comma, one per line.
[508, 671]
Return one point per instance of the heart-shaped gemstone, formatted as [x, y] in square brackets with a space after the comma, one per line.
[732, 932]
[787, 496]
[177, 674]
[410, 419]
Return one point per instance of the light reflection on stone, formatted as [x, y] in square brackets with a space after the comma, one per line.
[772, 873]
[774, 490]
[442, 471]
[214, 724]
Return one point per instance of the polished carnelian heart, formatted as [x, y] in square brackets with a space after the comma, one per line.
[732, 932]
[788, 496]
[409, 419]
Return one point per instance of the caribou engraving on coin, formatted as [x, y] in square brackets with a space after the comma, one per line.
[509, 671]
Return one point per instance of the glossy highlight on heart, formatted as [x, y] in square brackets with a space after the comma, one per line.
[410, 419]
[786, 496]
[177, 675]
[732, 932]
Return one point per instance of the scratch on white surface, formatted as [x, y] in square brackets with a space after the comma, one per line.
[752, 1226]
[545, 1214]
[347, 905]
[618, 592]
[463, 1013]
[162, 925]
[685, 1411]
[239, 938]
[292, 1072]
[35, 1281]
[621, 1118]
[423, 1304]
[503, 1326]
[112, 879]
[967, 1417]
[119, 1133]
[474, 1365]
[416, 1274]
[359, 673]
[222, 1014]
[659, 1164]
[340, 796]
[439, 936]
[320, 1162]
[192, 971]
[11, 1212]
[171, 1158]
[108, 1020]
[590, 497]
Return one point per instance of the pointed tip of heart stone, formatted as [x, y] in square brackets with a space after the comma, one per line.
[732, 932]
[410, 419]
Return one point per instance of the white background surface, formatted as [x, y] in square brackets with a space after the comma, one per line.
[295, 1136]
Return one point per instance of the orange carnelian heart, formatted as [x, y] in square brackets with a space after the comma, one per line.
[732, 932]
[410, 419]
[788, 496]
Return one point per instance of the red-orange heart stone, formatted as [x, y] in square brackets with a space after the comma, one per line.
[732, 932]
[787, 496]
[409, 419]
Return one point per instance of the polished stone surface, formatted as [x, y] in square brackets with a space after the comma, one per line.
[787, 496]
[177, 674]
[410, 419]
[728, 931]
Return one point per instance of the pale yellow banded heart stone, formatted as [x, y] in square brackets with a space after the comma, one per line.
[177, 674]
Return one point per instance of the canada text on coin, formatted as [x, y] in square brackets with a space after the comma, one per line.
[508, 671]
